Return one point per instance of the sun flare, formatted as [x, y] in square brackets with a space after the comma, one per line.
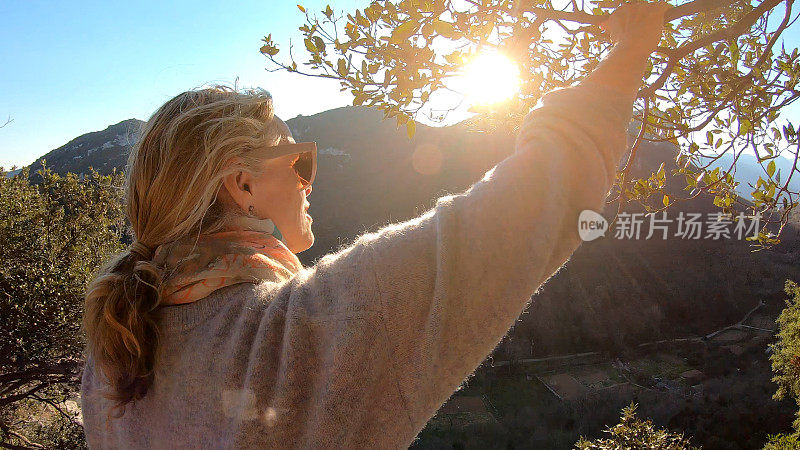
[490, 78]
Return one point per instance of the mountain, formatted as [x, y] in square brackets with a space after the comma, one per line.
[370, 174]
[618, 292]
[612, 293]
[103, 150]
[748, 169]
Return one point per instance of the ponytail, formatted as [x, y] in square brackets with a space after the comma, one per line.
[173, 175]
[120, 326]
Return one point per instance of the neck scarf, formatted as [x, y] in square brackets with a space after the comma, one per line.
[251, 251]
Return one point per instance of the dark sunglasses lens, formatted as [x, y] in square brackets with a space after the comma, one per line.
[304, 166]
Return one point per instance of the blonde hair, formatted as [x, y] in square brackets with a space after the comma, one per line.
[174, 174]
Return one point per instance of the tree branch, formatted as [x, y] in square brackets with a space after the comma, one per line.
[735, 30]
[677, 12]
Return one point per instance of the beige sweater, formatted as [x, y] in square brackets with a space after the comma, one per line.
[361, 349]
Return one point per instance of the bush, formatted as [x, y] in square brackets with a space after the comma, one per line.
[54, 233]
[786, 352]
[783, 442]
[633, 433]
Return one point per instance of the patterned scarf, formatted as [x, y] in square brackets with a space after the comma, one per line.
[250, 252]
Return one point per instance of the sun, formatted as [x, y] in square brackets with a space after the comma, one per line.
[490, 78]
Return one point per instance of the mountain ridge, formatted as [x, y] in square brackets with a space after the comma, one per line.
[612, 293]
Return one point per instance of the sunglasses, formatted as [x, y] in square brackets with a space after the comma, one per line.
[306, 164]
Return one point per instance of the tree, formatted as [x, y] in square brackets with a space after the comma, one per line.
[785, 355]
[53, 235]
[719, 82]
[782, 442]
[634, 433]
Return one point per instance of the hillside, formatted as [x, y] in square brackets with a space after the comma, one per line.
[103, 150]
[615, 293]
[612, 293]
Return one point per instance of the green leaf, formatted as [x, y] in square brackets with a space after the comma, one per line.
[319, 44]
[310, 46]
[373, 12]
[402, 32]
[445, 29]
[453, 58]
[411, 128]
[269, 50]
[745, 126]
[733, 45]
[665, 200]
[771, 168]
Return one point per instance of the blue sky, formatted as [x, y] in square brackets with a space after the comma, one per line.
[70, 68]
[74, 67]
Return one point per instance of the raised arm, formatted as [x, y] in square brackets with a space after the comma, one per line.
[405, 314]
[454, 280]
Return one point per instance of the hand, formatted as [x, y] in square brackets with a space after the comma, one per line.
[635, 29]
[637, 25]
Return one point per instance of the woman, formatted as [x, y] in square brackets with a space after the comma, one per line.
[208, 332]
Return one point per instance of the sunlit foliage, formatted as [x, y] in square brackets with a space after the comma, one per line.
[719, 81]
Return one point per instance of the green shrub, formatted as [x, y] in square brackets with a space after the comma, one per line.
[54, 233]
[786, 351]
[633, 433]
[783, 442]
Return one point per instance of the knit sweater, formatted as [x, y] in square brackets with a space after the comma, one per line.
[361, 349]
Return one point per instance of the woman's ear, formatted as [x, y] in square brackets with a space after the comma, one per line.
[239, 186]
